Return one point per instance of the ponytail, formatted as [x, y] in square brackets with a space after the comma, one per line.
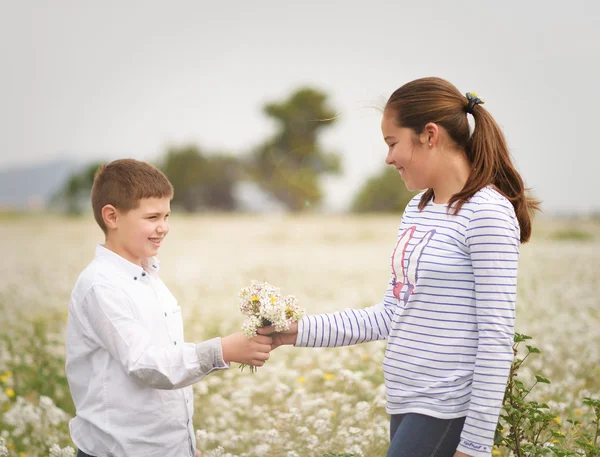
[492, 164]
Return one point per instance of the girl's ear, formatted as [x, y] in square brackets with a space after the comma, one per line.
[109, 216]
[430, 135]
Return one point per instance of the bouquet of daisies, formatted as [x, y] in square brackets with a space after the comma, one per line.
[263, 305]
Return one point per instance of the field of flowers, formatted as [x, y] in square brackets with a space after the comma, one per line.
[303, 402]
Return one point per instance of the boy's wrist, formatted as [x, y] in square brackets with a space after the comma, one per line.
[228, 348]
[224, 349]
[210, 355]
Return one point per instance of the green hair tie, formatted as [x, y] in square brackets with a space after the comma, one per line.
[473, 100]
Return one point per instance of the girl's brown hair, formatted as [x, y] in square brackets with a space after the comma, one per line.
[425, 100]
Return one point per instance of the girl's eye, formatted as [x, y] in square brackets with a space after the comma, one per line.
[152, 217]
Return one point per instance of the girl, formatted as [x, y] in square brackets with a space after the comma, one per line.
[449, 310]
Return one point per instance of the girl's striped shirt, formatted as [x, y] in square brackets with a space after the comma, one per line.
[448, 315]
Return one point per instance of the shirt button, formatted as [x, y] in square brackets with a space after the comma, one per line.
[135, 278]
[144, 273]
[175, 343]
[165, 314]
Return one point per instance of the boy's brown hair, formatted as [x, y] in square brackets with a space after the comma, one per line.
[123, 183]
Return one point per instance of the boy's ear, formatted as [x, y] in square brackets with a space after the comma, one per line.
[109, 216]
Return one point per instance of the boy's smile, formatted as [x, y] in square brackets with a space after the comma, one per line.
[156, 241]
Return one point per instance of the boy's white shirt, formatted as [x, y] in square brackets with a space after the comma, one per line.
[129, 370]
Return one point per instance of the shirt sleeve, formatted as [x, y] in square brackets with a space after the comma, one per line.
[493, 236]
[110, 317]
[352, 326]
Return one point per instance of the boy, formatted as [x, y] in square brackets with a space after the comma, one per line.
[129, 370]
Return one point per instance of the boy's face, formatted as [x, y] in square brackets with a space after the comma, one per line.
[138, 233]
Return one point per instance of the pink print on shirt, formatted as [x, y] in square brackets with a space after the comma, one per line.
[407, 276]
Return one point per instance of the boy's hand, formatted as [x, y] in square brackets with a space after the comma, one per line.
[280, 338]
[251, 351]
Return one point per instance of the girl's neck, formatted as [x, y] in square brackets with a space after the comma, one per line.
[452, 177]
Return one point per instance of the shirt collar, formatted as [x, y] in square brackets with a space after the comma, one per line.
[131, 270]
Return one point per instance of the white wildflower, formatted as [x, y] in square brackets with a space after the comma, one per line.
[3, 449]
[354, 431]
[56, 451]
[251, 325]
[262, 449]
[201, 436]
[271, 436]
[218, 452]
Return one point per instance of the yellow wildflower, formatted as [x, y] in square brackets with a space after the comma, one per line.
[495, 452]
[557, 420]
[301, 379]
[555, 441]
[9, 392]
[578, 412]
[5, 377]
[328, 376]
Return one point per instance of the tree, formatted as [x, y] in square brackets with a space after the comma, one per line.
[76, 192]
[383, 193]
[290, 163]
[201, 181]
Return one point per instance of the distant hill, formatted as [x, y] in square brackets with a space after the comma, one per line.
[32, 186]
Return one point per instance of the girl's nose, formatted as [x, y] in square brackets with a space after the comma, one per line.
[389, 159]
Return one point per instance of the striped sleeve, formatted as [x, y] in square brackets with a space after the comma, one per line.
[492, 237]
[348, 327]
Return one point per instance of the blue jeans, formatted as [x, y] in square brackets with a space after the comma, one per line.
[416, 435]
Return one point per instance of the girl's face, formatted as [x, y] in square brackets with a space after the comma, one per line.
[408, 152]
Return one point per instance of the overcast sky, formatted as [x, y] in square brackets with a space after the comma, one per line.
[109, 79]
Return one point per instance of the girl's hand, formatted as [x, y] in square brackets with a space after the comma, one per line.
[288, 336]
